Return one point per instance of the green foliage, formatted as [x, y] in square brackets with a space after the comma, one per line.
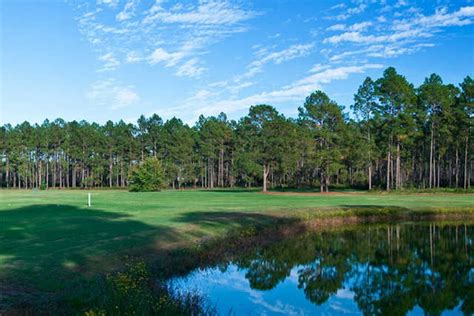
[396, 136]
[147, 177]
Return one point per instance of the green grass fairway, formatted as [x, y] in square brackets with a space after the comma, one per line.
[49, 236]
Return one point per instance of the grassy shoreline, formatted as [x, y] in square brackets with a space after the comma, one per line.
[52, 238]
[144, 275]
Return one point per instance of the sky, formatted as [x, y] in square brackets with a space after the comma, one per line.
[118, 59]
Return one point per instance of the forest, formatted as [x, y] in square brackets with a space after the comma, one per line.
[394, 136]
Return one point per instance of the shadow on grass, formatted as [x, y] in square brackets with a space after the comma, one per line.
[46, 249]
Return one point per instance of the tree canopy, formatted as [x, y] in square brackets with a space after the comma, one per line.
[147, 176]
[393, 136]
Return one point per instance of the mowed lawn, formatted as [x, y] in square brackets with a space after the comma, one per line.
[47, 236]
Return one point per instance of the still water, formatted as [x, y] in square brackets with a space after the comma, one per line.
[410, 268]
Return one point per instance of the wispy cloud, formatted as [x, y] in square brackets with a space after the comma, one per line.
[211, 13]
[276, 57]
[397, 37]
[161, 33]
[349, 11]
[352, 39]
[354, 27]
[128, 11]
[169, 59]
[212, 103]
[112, 94]
[415, 27]
[190, 69]
[110, 62]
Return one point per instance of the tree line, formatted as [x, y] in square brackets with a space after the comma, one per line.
[396, 136]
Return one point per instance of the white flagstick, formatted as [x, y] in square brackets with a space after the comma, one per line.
[89, 199]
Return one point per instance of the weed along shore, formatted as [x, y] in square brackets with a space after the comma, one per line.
[133, 251]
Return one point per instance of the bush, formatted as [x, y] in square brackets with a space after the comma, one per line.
[147, 177]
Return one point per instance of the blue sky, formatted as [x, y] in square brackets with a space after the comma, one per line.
[118, 59]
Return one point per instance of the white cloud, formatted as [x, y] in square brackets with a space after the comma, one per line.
[337, 27]
[278, 57]
[401, 3]
[360, 26]
[110, 62]
[274, 36]
[354, 27]
[295, 91]
[358, 37]
[441, 18]
[133, 57]
[237, 87]
[163, 32]
[128, 11]
[112, 94]
[212, 12]
[190, 69]
[319, 67]
[290, 53]
[338, 6]
[406, 31]
[161, 55]
[110, 3]
[351, 11]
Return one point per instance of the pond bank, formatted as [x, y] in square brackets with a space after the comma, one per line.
[384, 268]
[146, 269]
[189, 256]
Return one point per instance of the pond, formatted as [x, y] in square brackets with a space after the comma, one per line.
[406, 268]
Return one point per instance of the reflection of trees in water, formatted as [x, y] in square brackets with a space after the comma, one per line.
[265, 275]
[390, 269]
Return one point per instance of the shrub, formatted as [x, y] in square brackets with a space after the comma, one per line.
[147, 177]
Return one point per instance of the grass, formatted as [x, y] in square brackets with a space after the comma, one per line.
[49, 239]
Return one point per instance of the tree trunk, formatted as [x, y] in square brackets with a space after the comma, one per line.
[55, 171]
[457, 168]
[326, 181]
[122, 174]
[68, 170]
[221, 167]
[110, 170]
[60, 177]
[450, 172]
[389, 158]
[266, 170]
[46, 175]
[439, 170]
[465, 163]
[370, 177]
[431, 158]
[8, 173]
[211, 173]
[321, 182]
[397, 172]
[74, 181]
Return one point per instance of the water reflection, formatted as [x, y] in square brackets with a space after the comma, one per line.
[373, 270]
